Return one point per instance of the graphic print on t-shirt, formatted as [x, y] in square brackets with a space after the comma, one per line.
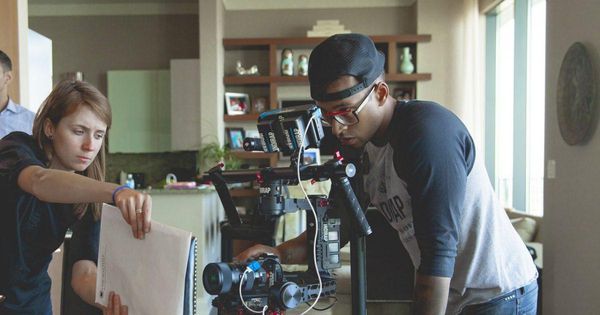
[387, 192]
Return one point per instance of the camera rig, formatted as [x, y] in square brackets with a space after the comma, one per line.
[260, 284]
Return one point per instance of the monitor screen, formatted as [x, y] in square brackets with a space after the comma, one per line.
[329, 144]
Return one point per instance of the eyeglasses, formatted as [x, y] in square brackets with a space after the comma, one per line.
[346, 117]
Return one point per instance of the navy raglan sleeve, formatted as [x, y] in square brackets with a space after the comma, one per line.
[17, 151]
[86, 238]
[438, 157]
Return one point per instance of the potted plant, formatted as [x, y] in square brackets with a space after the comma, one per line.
[213, 153]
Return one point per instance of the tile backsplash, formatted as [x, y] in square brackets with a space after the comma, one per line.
[154, 166]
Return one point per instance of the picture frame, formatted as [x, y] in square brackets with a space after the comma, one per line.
[404, 93]
[237, 103]
[235, 136]
[311, 156]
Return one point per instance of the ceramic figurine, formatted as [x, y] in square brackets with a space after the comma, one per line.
[287, 62]
[242, 71]
[303, 65]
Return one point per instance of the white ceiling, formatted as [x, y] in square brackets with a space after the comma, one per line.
[244, 4]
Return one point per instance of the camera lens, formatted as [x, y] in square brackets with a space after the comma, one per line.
[217, 278]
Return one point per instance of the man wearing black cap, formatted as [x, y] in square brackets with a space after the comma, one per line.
[420, 169]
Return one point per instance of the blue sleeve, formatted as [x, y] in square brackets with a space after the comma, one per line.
[17, 151]
[86, 238]
[439, 154]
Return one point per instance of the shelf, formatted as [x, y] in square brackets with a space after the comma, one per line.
[247, 117]
[253, 155]
[308, 41]
[244, 192]
[401, 77]
[250, 80]
[272, 157]
[247, 79]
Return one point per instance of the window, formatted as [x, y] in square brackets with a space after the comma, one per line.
[515, 105]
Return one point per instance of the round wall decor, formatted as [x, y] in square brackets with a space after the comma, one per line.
[575, 96]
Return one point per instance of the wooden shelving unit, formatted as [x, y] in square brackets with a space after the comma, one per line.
[248, 117]
[271, 157]
[390, 45]
[272, 45]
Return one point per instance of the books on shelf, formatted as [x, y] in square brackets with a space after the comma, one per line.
[326, 28]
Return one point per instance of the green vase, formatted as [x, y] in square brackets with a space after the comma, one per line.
[406, 65]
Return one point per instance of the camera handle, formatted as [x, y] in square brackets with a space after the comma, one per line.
[358, 270]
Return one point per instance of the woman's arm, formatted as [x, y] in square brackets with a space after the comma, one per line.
[83, 281]
[65, 187]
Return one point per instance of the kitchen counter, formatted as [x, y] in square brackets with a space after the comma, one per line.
[162, 191]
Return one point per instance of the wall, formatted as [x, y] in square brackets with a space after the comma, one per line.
[13, 42]
[270, 23]
[571, 216]
[95, 44]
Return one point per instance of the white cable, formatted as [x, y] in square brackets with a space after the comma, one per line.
[314, 214]
[242, 298]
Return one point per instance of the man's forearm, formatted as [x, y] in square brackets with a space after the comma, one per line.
[431, 295]
[294, 250]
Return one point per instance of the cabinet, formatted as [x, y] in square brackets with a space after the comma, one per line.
[140, 102]
[155, 110]
[266, 51]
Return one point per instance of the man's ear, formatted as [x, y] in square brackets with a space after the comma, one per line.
[9, 76]
[382, 91]
[48, 128]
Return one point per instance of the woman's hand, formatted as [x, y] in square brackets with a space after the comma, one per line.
[136, 208]
[114, 306]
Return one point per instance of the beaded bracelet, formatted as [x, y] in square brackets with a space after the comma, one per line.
[116, 191]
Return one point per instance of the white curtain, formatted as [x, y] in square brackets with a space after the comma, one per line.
[455, 57]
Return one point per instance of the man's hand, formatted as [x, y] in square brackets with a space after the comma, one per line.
[256, 251]
[431, 295]
[289, 252]
[114, 306]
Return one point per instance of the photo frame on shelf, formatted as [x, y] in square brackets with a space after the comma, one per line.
[311, 156]
[237, 103]
[235, 136]
[404, 93]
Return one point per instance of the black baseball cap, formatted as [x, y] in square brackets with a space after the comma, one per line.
[339, 55]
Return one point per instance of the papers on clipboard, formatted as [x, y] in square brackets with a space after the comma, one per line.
[156, 275]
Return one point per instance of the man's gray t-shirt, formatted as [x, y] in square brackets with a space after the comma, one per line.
[429, 184]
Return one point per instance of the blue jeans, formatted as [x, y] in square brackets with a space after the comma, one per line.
[522, 301]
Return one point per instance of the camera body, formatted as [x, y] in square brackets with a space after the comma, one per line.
[263, 282]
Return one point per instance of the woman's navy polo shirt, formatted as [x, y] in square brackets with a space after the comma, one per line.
[31, 230]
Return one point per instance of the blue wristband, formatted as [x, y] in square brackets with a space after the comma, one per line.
[116, 191]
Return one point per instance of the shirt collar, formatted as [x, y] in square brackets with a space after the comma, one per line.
[12, 106]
